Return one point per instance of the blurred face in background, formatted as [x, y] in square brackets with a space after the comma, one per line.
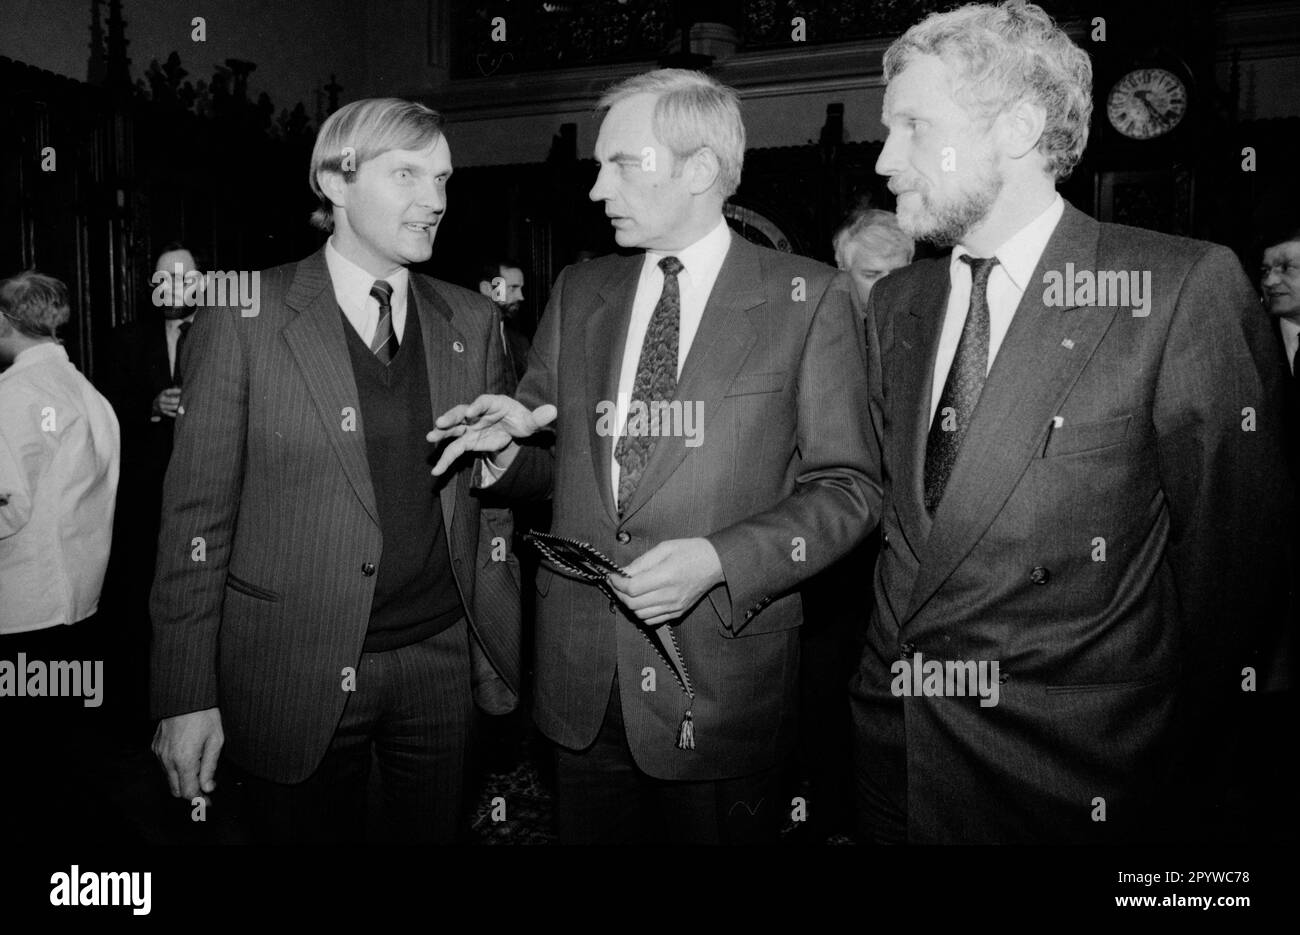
[181, 277]
[867, 262]
[1280, 280]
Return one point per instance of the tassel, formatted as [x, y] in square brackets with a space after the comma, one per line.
[686, 735]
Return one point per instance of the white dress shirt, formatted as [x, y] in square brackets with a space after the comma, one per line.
[59, 461]
[701, 262]
[352, 286]
[1017, 258]
[173, 340]
[1290, 339]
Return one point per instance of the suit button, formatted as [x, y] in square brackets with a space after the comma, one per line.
[1039, 575]
[368, 569]
[623, 537]
[884, 541]
[905, 650]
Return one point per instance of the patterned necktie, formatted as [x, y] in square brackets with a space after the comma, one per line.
[962, 389]
[384, 343]
[180, 343]
[656, 380]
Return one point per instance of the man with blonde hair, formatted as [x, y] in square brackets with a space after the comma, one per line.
[870, 246]
[319, 595]
[716, 520]
[1079, 427]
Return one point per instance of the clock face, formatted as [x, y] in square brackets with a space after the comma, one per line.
[1147, 103]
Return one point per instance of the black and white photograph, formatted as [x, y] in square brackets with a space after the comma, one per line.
[534, 439]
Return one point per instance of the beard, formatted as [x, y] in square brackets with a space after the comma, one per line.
[946, 223]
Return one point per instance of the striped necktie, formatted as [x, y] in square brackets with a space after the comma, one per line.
[384, 343]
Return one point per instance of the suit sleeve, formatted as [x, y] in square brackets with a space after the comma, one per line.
[531, 474]
[837, 494]
[1219, 421]
[200, 505]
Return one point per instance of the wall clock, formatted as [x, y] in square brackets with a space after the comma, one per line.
[1147, 103]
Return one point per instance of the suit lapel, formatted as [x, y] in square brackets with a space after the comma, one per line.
[318, 344]
[917, 345]
[721, 344]
[605, 338]
[449, 369]
[1043, 353]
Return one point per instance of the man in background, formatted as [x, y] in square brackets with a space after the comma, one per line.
[502, 281]
[59, 462]
[141, 376]
[869, 246]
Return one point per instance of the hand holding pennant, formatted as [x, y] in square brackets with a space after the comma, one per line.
[579, 560]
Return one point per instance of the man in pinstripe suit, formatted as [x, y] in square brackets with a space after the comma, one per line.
[319, 594]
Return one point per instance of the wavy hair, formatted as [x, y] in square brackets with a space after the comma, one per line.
[1006, 54]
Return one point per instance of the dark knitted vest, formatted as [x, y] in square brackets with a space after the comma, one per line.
[415, 594]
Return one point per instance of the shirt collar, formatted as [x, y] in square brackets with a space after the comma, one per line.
[352, 283]
[46, 350]
[1290, 331]
[702, 259]
[1020, 253]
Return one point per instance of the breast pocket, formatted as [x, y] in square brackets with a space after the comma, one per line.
[1067, 439]
[749, 384]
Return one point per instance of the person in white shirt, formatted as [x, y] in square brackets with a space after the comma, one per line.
[59, 450]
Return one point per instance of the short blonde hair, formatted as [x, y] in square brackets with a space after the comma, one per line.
[36, 304]
[367, 128]
[693, 111]
[878, 231]
[1006, 54]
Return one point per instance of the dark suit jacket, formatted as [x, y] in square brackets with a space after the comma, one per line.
[1155, 455]
[270, 472]
[781, 485]
[135, 372]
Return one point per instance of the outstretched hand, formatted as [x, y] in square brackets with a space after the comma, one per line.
[488, 424]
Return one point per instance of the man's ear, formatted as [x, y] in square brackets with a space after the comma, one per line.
[333, 185]
[1020, 127]
[703, 170]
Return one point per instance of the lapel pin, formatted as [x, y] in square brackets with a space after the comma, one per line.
[458, 347]
[1068, 344]
[1057, 422]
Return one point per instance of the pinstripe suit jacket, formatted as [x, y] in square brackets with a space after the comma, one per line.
[262, 597]
[781, 484]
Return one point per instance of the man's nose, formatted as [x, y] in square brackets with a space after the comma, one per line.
[890, 161]
[599, 191]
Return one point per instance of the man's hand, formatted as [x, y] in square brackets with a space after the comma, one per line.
[488, 424]
[666, 582]
[167, 402]
[187, 746]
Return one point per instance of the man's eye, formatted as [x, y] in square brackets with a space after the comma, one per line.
[403, 174]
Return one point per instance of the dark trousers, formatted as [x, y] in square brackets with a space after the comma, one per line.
[603, 798]
[52, 750]
[412, 711]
